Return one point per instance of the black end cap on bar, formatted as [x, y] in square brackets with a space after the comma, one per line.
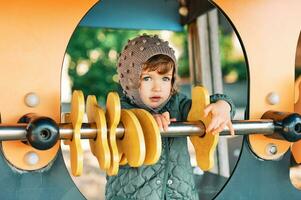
[42, 133]
[288, 125]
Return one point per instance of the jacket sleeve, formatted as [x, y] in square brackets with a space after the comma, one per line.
[184, 106]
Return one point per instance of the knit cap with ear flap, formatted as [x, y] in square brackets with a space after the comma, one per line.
[135, 53]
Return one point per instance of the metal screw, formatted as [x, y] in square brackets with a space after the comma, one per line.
[31, 158]
[32, 99]
[272, 149]
[273, 98]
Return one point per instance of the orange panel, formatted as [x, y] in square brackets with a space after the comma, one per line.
[297, 145]
[269, 30]
[34, 36]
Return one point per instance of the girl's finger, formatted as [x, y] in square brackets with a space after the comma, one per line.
[230, 126]
[220, 128]
[165, 123]
[166, 116]
[173, 119]
[212, 125]
[159, 122]
[207, 110]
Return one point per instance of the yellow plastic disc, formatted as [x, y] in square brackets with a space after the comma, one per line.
[90, 110]
[132, 144]
[123, 160]
[76, 117]
[99, 146]
[152, 137]
[204, 146]
[113, 111]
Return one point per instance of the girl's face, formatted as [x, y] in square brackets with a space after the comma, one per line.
[155, 88]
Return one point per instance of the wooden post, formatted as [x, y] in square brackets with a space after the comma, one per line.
[205, 69]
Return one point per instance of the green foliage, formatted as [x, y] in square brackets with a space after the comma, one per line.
[238, 66]
[99, 49]
[180, 39]
[229, 64]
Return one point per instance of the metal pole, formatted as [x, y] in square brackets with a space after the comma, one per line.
[175, 129]
[13, 132]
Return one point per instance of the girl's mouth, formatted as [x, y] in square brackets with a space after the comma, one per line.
[155, 98]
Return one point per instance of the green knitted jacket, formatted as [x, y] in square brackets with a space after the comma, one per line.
[171, 177]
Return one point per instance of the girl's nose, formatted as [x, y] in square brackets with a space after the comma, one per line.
[156, 86]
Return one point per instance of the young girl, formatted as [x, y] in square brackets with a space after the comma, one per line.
[147, 70]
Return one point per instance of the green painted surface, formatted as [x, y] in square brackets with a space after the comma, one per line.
[49, 184]
[256, 179]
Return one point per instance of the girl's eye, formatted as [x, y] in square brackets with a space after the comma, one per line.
[146, 78]
[166, 79]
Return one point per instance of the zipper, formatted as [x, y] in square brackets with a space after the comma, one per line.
[166, 169]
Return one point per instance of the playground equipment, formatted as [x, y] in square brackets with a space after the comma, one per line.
[34, 40]
[111, 137]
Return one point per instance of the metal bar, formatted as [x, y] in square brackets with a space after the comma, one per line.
[176, 129]
[13, 132]
[88, 131]
[241, 127]
[180, 129]
[246, 127]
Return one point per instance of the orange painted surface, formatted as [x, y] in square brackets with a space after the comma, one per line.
[34, 36]
[269, 30]
[15, 152]
[296, 147]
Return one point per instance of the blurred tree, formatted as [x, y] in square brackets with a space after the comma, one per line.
[94, 54]
[233, 67]
[180, 39]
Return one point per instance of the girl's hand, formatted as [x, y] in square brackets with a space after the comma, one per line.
[163, 120]
[220, 111]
